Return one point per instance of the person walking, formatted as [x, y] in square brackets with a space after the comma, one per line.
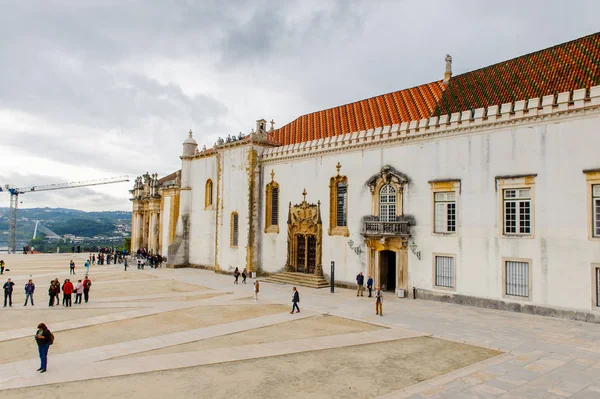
[244, 275]
[370, 285]
[63, 289]
[52, 293]
[379, 301]
[87, 267]
[71, 267]
[125, 264]
[57, 286]
[8, 290]
[78, 292]
[256, 290]
[67, 291]
[87, 283]
[295, 301]
[360, 282]
[44, 339]
[94, 259]
[1, 266]
[29, 290]
[236, 274]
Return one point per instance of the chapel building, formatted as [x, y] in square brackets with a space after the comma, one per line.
[481, 188]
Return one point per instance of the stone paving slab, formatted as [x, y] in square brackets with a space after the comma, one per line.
[142, 311]
[117, 367]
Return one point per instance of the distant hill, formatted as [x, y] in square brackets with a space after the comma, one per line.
[66, 221]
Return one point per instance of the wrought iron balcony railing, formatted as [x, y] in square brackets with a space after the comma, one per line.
[373, 226]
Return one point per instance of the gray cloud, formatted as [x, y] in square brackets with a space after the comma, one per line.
[114, 85]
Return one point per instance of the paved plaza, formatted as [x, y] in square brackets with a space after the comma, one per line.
[193, 333]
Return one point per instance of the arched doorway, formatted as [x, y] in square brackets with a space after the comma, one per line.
[304, 238]
[387, 270]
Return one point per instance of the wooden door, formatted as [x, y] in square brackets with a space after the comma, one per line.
[301, 251]
[311, 252]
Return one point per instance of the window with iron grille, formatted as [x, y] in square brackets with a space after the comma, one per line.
[341, 204]
[596, 208]
[444, 271]
[597, 286]
[387, 203]
[274, 206]
[517, 211]
[234, 229]
[517, 278]
[445, 212]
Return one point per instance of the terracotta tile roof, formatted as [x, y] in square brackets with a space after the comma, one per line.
[562, 68]
[400, 106]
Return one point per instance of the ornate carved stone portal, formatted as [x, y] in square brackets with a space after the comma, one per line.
[305, 237]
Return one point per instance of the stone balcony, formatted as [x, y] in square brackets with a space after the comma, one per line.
[373, 227]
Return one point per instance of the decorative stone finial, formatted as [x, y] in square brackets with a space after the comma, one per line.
[190, 133]
[448, 73]
[338, 167]
[272, 175]
[304, 194]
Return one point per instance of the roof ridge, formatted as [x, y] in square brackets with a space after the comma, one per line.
[527, 54]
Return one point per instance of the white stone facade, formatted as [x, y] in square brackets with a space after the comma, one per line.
[547, 148]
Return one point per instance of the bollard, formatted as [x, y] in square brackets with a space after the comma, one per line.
[332, 277]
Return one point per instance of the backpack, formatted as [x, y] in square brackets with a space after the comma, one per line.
[51, 337]
[88, 284]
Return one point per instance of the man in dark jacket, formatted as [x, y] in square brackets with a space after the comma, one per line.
[295, 301]
[29, 290]
[360, 282]
[8, 290]
[52, 293]
[87, 284]
[370, 285]
[43, 339]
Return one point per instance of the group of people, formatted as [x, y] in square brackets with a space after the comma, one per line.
[360, 282]
[153, 261]
[81, 289]
[236, 275]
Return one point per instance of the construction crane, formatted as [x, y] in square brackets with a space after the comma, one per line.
[16, 191]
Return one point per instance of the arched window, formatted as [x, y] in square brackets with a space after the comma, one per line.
[208, 194]
[272, 206]
[338, 205]
[387, 203]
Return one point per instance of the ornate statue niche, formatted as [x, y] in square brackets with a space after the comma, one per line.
[305, 237]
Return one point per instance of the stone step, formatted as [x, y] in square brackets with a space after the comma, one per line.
[300, 279]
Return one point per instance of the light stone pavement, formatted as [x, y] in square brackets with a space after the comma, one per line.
[543, 357]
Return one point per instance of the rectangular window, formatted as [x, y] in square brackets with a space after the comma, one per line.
[598, 286]
[517, 211]
[596, 210]
[445, 212]
[444, 271]
[517, 278]
[275, 206]
[234, 229]
[342, 204]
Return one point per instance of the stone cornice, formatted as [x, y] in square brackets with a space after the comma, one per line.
[519, 113]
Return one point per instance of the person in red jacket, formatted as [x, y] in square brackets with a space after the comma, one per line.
[67, 291]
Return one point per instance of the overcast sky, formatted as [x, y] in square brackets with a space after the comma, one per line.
[101, 88]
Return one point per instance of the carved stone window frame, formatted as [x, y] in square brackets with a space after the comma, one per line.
[334, 229]
[208, 194]
[387, 175]
[269, 226]
[441, 186]
[516, 182]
